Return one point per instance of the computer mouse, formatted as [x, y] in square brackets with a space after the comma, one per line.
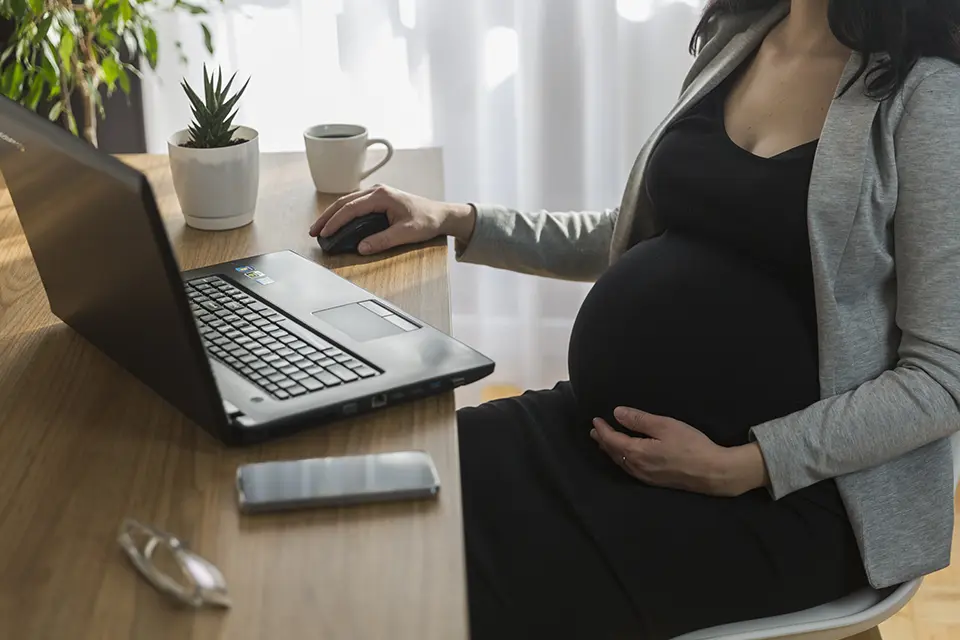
[348, 237]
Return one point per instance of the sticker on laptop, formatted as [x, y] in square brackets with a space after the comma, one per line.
[253, 275]
[244, 269]
[265, 280]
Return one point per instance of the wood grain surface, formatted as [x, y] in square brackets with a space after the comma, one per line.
[83, 445]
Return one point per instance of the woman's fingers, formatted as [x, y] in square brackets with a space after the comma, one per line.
[368, 203]
[333, 209]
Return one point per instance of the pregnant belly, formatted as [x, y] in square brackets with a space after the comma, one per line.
[681, 329]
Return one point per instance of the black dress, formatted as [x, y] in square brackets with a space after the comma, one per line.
[712, 323]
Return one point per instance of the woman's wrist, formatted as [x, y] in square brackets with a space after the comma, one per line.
[459, 222]
[741, 470]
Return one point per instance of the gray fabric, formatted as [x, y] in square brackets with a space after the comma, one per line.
[885, 241]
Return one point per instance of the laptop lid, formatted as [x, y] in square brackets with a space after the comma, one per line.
[104, 258]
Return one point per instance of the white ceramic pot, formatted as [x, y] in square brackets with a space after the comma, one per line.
[217, 188]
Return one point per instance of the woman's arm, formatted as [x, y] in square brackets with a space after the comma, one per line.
[572, 245]
[918, 402]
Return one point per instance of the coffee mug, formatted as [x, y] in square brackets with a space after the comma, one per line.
[337, 153]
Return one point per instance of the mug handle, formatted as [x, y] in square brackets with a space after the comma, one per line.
[366, 174]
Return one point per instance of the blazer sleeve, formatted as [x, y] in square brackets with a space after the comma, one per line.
[917, 402]
[570, 245]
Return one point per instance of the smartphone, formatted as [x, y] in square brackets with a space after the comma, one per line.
[334, 482]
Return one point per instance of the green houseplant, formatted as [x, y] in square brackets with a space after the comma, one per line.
[66, 47]
[215, 164]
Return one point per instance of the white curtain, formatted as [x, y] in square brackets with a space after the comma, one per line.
[536, 103]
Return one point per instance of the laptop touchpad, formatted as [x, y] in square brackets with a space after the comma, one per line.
[358, 322]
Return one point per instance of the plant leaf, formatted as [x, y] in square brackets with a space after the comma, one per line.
[43, 28]
[207, 38]
[192, 8]
[36, 92]
[111, 71]
[18, 7]
[16, 83]
[150, 40]
[37, 7]
[126, 11]
[6, 54]
[72, 123]
[66, 48]
[124, 80]
[55, 111]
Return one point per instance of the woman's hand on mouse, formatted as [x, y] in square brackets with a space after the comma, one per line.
[677, 456]
[412, 218]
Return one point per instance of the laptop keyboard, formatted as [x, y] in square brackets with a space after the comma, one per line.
[249, 337]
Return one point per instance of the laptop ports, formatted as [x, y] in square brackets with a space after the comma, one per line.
[379, 401]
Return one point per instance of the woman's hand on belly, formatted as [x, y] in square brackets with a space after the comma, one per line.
[677, 456]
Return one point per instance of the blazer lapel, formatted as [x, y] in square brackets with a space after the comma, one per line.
[636, 218]
[838, 172]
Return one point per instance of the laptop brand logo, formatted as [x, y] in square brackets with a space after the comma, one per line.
[10, 140]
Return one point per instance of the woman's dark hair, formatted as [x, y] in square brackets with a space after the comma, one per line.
[906, 30]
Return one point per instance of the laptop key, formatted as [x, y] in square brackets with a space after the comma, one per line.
[281, 394]
[305, 364]
[250, 316]
[276, 377]
[247, 371]
[259, 306]
[299, 375]
[353, 364]
[234, 334]
[217, 324]
[287, 339]
[260, 322]
[325, 362]
[328, 379]
[295, 358]
[316, 357]
[270, 387]
[306, 351]
[269, 327]
[332, 351]
[244, 340]
[299, 344]
[296, 390]
[289, 369]
[284, 352]
[211, 306]
[312, 384]
[364, 371]
[206, 317]
[343, 373]
[261, 351]
[247, 359]
[231, 319]
[272, 358]
[260, 365]
[233, 306]
[221, 341]
[286, 383]
[257, 335]
[314, 369]
[268, 371]
[342, 358]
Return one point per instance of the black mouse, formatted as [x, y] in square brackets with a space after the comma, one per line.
[348, 237]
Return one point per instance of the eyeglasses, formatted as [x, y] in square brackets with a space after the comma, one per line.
[172, 568]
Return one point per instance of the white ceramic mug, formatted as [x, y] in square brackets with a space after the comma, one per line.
[337, 154]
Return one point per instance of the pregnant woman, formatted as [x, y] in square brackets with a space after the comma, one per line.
[765, 377]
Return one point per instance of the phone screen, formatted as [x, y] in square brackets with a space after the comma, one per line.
[336, 481]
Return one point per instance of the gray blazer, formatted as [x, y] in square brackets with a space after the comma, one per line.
[884, 221]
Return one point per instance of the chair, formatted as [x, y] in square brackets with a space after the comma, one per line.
[858, 614]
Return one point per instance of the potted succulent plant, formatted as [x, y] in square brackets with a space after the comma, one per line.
[215, 165]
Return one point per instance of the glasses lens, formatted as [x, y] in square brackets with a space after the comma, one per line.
[170, 567]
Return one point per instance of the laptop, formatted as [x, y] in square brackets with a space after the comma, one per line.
[250, 349]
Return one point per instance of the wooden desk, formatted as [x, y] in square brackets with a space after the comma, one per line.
[83, 444]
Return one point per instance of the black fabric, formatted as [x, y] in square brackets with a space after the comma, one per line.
[713, 323]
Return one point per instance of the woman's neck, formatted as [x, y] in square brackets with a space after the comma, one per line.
[807, 29]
